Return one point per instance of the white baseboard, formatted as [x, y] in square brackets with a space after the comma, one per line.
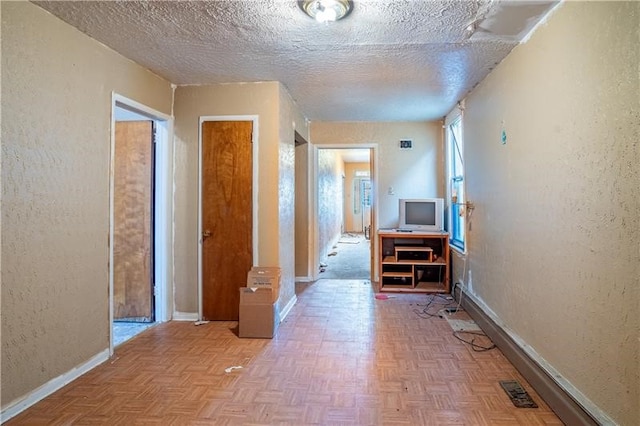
[287, 308]
[17, 406]
[306, 279]
[567, 401]
[185, 316]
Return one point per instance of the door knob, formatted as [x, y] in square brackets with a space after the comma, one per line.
[206, 234]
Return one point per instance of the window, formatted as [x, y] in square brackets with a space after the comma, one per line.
[361, 193]
[455, 176]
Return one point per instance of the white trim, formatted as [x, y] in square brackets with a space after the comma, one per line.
[456, 114]
[311, 225]
[139, 108]
[457, 250]
[554, 374]
[306, 279]
[255, 182]
[288, 307]
[314, 255]
[185, 316]
[17, 406]
[163, 262]
[163, 209]
[373, 231]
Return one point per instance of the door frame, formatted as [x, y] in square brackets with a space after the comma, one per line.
[373, 165]
[163, 207]
[254, 188]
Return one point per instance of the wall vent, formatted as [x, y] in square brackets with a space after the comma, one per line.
[406, 144]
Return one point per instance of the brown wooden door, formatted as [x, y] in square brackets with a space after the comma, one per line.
[227, 204]
[133, 222]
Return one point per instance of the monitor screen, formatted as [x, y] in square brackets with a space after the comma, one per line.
[420, 213]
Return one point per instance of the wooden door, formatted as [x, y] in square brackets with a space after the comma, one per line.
[133, 222]
[227, 205]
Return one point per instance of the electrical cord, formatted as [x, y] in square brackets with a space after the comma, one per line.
[425, 314]
[442, 306]
[475, 346]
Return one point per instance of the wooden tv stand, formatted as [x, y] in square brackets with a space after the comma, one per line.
[415, 262]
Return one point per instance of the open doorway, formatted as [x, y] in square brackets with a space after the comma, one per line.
[344, 212]
[140, 219]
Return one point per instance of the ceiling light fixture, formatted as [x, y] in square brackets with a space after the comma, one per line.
[326, 10]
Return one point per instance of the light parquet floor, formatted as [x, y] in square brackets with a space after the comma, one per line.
[340, 357]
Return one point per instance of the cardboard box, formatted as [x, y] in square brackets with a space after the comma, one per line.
[258, 317]
[265, 277]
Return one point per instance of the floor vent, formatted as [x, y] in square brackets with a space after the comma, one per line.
[518, 395]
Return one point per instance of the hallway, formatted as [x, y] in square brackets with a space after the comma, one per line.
[340, 357]
[350, 259]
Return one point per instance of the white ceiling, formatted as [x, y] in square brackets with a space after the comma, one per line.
[397, 60]
[355, 155]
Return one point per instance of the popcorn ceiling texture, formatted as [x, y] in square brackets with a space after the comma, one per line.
[397, 60]
[564, 277]
[553, 249]
[56, 114]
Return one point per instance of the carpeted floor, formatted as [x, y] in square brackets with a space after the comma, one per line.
[351, 259]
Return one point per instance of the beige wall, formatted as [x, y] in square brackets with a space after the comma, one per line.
[411, 173]
[56, 115]
[290, 121]
[352, 222]
[275, 161]
[329, 216]
[192, 102]
[569, 103]
[303, 222]
[553, 250]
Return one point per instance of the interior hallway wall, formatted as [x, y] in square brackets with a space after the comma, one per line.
[302, 244]
[275, 163]
[192, 102]
[57, 86]
[413, 173]
[330, 172]
[353, 221]
[555, 234]
[290, 121]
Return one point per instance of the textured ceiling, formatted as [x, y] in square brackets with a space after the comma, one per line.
[387, 61]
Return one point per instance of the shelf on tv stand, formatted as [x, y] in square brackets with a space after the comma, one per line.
[415, 262]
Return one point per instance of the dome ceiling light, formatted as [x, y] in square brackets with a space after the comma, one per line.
[326, 10]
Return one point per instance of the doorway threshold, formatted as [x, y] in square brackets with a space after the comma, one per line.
[125, 330]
